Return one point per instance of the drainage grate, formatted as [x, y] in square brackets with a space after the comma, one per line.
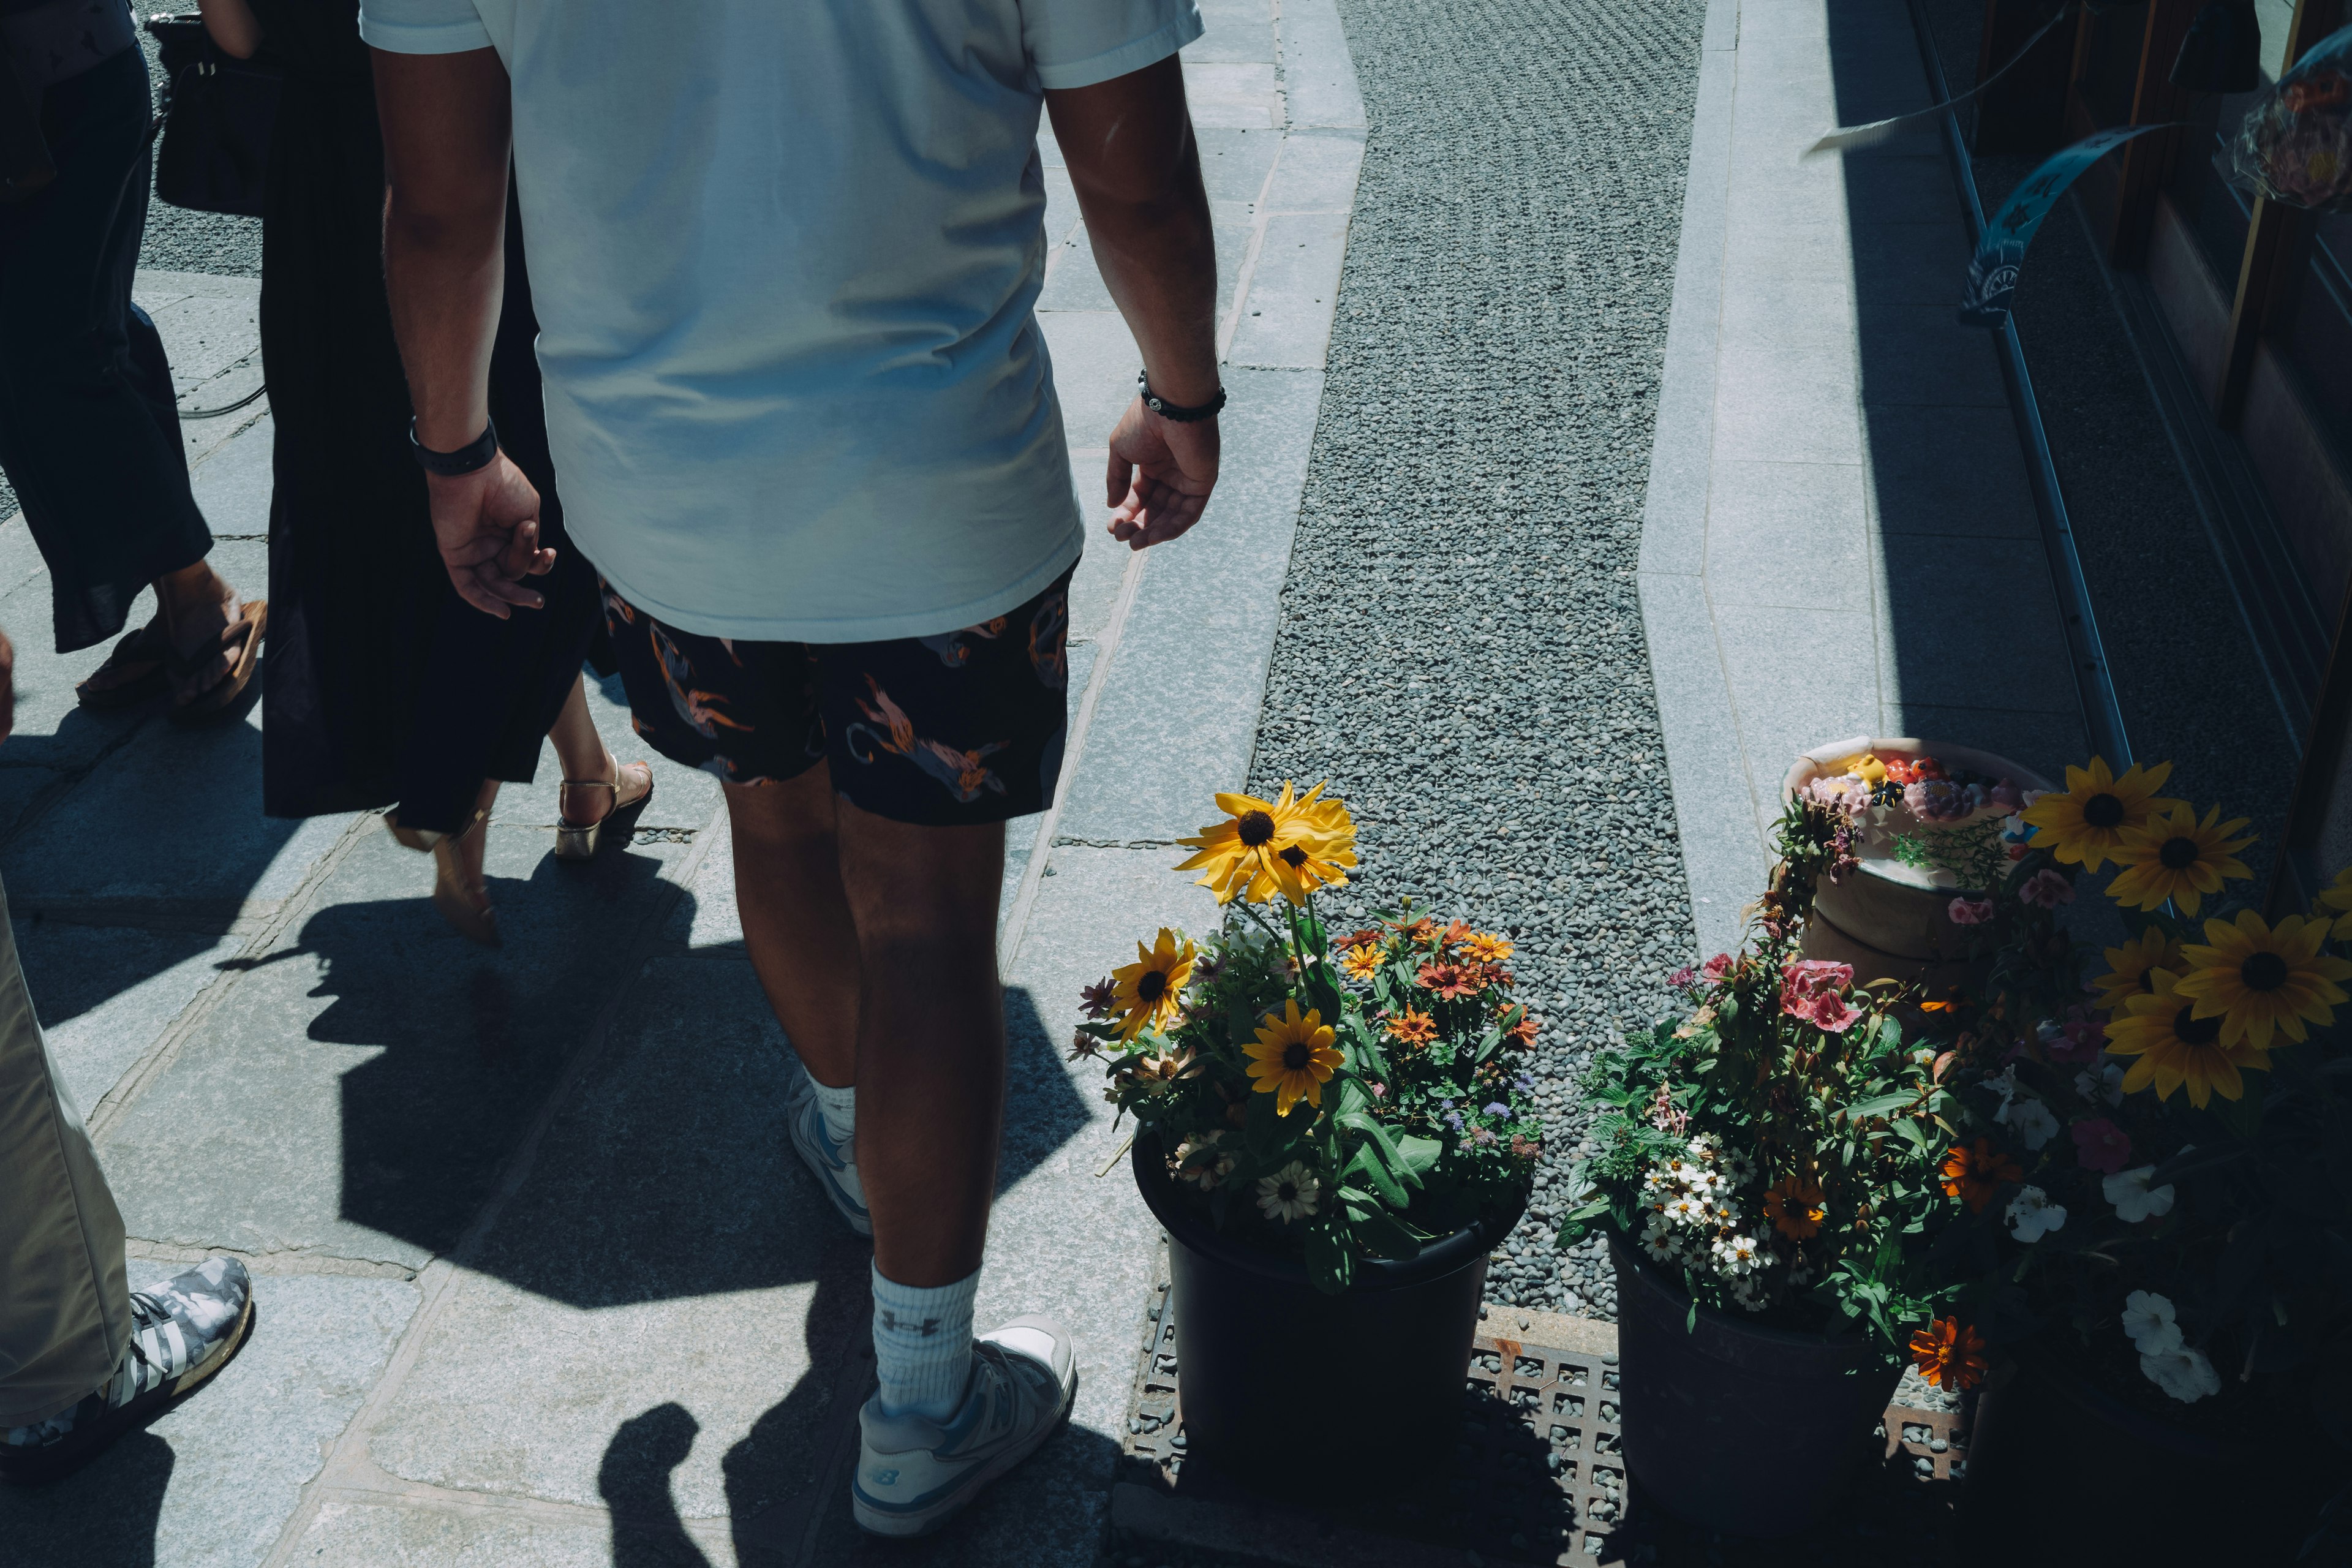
[1539, 1475]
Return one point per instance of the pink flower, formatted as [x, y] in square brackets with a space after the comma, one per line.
[2046, 889]
[1809, 990]
[1682, 977]
[1969, 911]
[2080, 1039]
[1716, 968]
[2101, 1145]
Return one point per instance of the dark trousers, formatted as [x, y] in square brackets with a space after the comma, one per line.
[90, 435]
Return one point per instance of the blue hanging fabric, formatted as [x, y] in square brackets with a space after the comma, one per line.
[1992, 271]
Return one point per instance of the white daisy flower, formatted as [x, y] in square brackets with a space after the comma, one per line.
[1739, 1169]
[1289, 1194]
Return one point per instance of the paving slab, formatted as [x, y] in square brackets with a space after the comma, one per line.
[363, 1530]
[212, 1484]
[668, 1253]
[106, 996]
[1293, 293]
[357, 1090]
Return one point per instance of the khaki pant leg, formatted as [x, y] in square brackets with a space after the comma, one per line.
[65, 1301]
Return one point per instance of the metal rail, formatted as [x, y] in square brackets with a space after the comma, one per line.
[2095, 686]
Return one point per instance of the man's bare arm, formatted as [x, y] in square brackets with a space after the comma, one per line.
[1128, 144]
[445, 135]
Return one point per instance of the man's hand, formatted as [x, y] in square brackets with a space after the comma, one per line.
[1162, 472]
[7, 686]
[487, 525]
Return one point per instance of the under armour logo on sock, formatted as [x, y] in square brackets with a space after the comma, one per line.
[929, 1326]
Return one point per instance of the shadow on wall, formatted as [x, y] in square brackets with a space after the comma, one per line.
[1974, 648]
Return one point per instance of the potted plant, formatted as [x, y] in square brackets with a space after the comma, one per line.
[1920, 824]
[1766, 1171]
[2155, 1140]
[1334, 1135]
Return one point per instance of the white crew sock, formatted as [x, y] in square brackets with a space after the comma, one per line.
[922, 1345]
[840, 1108]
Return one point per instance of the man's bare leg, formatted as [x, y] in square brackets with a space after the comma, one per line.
[876, 942]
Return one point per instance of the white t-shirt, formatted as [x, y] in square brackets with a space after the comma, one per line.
[783, 260]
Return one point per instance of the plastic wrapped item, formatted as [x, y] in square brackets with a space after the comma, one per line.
[2296, 146]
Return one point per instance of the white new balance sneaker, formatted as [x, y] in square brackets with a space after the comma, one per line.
[914, 1473]
[833, 1165]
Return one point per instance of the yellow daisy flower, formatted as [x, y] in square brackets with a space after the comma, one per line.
[2178, 857]
[1293, 845]
[1362, 961]
[1150, 990]
[2175, 1046]
[1293, 1057]
[1488, 947]
[2084, 826]
[2255, 978]
[2128, 967]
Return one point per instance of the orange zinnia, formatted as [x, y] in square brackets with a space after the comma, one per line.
[1489, 947]
[1450, 981]
[1412, 1028]
[1455, 934]
[1794, 1206]
[1973, 1173]
[1949, 1354]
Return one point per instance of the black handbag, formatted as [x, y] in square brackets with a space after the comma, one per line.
[218, 113]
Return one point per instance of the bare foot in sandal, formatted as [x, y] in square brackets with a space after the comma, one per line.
[213, 640]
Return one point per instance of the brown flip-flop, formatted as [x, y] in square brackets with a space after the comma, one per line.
[241, 640]
[140, 657]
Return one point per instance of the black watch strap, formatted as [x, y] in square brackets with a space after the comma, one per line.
[475, 454]
[1167, 410]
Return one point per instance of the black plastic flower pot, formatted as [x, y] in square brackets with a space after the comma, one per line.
[1734, 1427]
[2044, 1439]
[1284, 1388]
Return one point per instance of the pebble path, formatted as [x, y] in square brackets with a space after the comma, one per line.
[1462, 650]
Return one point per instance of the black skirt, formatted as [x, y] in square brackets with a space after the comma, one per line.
[381, 687]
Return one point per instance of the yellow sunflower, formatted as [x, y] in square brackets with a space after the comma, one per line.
[1294, 1057]
[2175, 1046]
[2178, 857]
[1150, 990]
[2255, 978]
[2128, 967]
[1294, 845]
[2338, 896]
[2085, 823]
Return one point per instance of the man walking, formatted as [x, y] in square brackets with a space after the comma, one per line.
[784, 261]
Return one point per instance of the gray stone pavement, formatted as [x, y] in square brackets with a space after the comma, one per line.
[1839, 536]
[539, 1281]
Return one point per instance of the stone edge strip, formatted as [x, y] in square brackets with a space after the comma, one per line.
[1715, 812]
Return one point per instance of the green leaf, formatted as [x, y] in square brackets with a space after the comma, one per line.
[1380, 1234]
[1352, 1098]
[1418, 1155]
[1487, 1046]
[1363, 1122]
[1879, 1104]
[1330, 1263]
[1375, 1173]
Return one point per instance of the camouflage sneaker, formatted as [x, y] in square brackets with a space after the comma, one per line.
[181, 1333]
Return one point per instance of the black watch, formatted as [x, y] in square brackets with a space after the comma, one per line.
[1167, 410]
[474, 455]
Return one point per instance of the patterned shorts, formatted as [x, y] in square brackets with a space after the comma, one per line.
[964, 727]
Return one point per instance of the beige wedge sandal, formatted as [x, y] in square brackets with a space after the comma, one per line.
[467, 908]
[575, 841]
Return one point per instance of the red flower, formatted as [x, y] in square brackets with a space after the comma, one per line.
[1809, 989]
[1716, 968]
[2101, 1145]
[1451, 981]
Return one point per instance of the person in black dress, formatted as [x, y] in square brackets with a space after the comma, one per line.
[90, 433]
[383, 687]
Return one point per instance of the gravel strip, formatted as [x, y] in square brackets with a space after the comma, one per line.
[1462, 650]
